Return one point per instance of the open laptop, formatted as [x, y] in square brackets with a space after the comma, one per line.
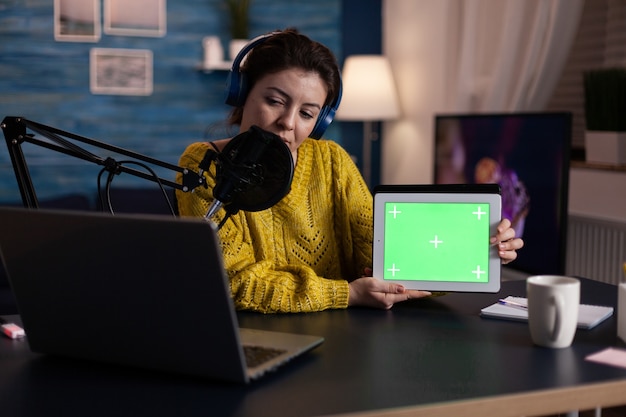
[146, 291]
[436, 237]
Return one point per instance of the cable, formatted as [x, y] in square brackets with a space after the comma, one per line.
[113, 169]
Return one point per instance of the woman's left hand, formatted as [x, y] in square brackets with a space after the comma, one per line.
[507, 243]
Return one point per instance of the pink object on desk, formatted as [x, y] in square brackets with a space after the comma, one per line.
[609, 356]
[13, 331]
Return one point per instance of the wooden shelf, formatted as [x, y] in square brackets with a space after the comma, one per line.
[221, 66]
[597, 166]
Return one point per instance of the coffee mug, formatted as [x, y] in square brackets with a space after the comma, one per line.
[553, 302]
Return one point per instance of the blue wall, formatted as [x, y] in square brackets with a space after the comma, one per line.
[48, 82]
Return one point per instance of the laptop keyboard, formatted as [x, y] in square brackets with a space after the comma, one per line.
[256, 355]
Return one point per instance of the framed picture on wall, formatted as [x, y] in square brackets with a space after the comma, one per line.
[121, 71]
[77, 20]
[135, 17]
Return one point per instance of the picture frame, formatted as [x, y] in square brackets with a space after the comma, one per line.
[135, 17]
[117, 71]
[77, 20]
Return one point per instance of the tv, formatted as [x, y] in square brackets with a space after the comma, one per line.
[527, 154]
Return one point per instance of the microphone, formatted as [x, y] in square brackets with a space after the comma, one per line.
[254, 172]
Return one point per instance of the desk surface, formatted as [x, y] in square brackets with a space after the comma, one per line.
[420, 353]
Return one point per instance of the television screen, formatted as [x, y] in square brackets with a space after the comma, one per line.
[527, 154]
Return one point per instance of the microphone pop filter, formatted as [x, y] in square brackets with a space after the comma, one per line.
[254, 171]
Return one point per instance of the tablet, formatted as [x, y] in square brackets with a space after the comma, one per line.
[436, 237]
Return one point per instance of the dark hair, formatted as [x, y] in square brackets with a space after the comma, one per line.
[290, 49]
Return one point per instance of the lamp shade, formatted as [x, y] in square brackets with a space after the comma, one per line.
[369, 91]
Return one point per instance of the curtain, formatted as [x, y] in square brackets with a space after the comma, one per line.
[507, 55]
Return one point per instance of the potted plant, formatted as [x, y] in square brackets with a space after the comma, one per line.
[238, 11]
[605, 113]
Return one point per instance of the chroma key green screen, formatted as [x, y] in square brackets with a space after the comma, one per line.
[436, 242]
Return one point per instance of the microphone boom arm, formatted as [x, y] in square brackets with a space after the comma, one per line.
[15, 133]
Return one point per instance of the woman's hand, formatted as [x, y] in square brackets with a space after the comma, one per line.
[507, 243]
[372, 292]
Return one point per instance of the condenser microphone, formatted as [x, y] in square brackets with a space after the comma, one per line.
[253, 172]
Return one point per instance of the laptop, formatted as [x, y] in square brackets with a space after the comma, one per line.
[142, 290]
[436, 237]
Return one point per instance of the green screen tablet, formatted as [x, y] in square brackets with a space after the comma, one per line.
[436, 237]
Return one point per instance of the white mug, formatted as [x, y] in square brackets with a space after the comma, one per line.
[553, 302]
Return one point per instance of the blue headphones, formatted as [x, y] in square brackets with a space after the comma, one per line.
[237, 89]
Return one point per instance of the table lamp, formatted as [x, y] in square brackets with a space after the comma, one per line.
[369, 94]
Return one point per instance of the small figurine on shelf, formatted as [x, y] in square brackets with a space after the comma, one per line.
[213, 52]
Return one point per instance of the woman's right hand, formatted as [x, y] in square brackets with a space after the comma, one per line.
[372, 292]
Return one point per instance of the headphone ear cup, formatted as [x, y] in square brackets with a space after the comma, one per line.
[324, 119]
[327, 114]
[236, 89]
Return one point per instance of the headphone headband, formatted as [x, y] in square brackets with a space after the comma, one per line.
[237, 88]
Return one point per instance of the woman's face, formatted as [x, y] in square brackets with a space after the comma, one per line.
[287, 104]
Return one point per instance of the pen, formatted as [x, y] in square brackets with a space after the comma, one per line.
[512, 304]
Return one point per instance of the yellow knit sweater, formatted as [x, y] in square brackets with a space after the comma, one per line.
[298, 255]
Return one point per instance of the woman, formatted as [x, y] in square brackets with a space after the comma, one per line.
[313, 249]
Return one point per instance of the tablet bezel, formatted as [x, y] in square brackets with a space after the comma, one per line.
[436, 193]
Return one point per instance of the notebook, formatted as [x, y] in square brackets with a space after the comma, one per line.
[142, 290]
[589, 316]
[436, 237]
